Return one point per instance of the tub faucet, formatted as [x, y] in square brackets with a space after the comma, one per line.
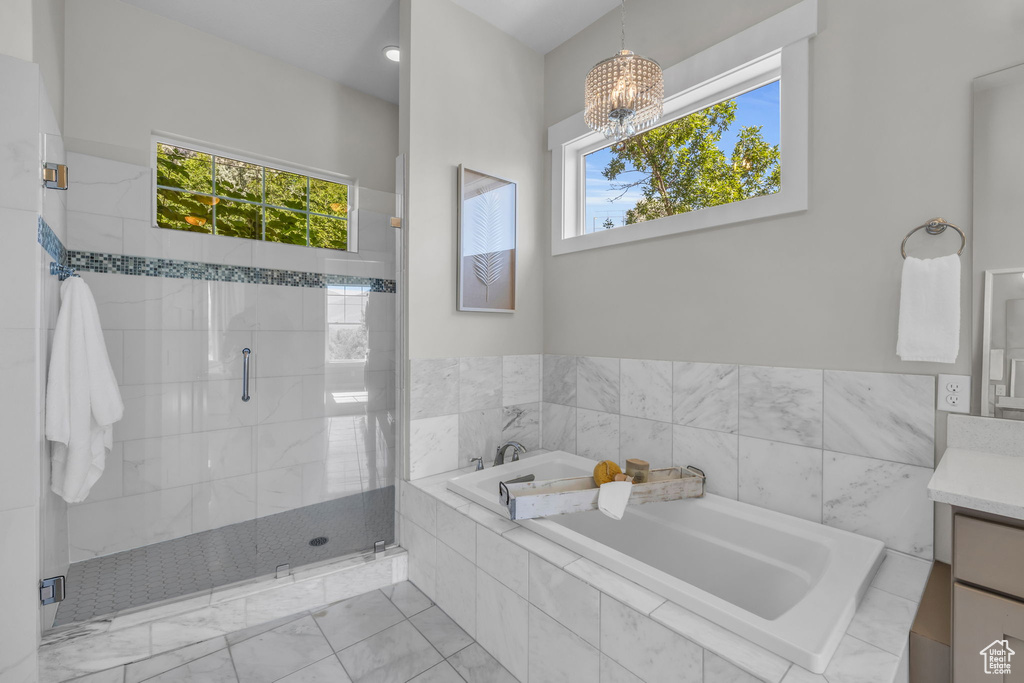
[517, 450]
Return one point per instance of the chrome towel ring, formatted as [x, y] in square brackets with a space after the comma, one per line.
[935, 226]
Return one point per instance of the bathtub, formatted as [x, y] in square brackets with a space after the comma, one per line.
[786, 584]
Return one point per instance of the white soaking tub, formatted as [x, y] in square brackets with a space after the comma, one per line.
[784, 583]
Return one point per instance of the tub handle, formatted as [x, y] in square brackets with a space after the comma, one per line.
[703, 478]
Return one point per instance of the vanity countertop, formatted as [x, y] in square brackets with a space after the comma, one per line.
[989, 482]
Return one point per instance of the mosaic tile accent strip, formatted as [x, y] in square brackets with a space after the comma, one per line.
[93, 262]
[51, 243]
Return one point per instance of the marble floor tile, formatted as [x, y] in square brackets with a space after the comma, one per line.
[881, 415]
[716, 453]
[645, 439]
[407, 598]
[213, 668]
[558, 427]
[439, 673]
[646, 389]
[557, 654]
[253, 631]
[148, 668]
[443, 633]
[275, 654]
[781, 404]
[479, 383]
[520, 379]
[597, 384]
[597, 435]
[858, 662]
[645, 647]
[883, 500]
[346, 623]
[781, 477]
[559, 380]
[433, 387]
[883, 620]
[502, 623]
[567, 599]
[706, 395]
[902, 575]
[613, 672]
[391, 656]
[475, 665]
[327, 670]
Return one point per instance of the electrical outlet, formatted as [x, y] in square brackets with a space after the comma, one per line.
[954, 395]
[1000, 390]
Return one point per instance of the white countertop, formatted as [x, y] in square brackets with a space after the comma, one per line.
[982, 481]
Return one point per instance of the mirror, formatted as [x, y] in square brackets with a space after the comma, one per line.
[998, 243]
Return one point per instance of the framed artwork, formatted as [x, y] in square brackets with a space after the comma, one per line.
[487, 243]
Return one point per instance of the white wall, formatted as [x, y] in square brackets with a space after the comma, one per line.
[48, 50]
[131, 72]
[16, 28]
[890, 148]
[473, 96]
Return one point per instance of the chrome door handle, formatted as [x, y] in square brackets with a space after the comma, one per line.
[245, 374]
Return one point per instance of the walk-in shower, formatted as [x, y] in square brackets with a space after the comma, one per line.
[204, 488]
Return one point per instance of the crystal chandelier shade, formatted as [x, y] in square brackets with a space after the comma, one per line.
[624, 95]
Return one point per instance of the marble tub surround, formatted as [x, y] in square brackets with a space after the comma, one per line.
[847, 449]
[573, 615]
[122, 638]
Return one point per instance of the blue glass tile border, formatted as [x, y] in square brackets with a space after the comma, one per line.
[48, 239]
[93, 262]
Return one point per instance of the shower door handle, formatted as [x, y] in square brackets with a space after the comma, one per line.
[245, 374]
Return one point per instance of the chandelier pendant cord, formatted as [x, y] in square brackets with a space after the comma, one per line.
[623, 14]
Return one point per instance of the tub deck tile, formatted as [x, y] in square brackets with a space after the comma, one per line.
[637, 597]
[744, 654]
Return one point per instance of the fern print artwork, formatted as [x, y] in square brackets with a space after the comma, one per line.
[487, 243]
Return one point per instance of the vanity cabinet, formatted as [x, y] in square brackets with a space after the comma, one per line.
[988, 598]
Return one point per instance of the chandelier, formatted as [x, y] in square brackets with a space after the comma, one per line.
[624, 94]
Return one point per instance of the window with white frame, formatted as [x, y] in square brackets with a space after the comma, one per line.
[201, 190]
[731, 146]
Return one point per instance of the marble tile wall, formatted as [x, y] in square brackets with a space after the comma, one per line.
[848, 449]
[464, 408]
[189, 454]
[547, 614]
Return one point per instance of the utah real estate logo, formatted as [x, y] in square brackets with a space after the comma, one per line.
[997, 657]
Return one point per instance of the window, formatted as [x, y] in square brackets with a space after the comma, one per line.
[732, 146]
[346, 323]
[205, 192]
[721, 154]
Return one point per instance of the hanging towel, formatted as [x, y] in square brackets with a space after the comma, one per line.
[613, 497]
[930, 310]
[82, 398]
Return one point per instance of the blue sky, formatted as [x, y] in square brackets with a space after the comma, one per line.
[756, 108]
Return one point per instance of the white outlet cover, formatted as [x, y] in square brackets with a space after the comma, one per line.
[954, 394]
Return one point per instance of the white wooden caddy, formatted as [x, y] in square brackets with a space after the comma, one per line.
[530, 499]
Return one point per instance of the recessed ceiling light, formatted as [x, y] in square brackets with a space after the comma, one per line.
[392, 53]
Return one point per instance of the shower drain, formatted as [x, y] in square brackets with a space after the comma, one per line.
[318, 541]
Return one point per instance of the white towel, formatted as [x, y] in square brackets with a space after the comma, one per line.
[613, 497]
[930, 310]
[82, 398]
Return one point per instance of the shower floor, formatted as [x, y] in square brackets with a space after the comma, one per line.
[218, 557]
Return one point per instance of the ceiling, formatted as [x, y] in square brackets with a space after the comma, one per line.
[338, 39]
[541, 24]
[342, 39]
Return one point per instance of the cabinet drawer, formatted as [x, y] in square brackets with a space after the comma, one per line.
[981, 619]
[989, 554]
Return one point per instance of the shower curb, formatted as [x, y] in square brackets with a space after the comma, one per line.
[70, 652]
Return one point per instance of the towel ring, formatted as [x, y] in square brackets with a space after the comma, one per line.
[935, 226]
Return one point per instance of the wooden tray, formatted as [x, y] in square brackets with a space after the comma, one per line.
[531, 499]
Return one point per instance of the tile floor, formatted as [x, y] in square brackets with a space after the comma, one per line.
[209, 559]
[395, 635]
